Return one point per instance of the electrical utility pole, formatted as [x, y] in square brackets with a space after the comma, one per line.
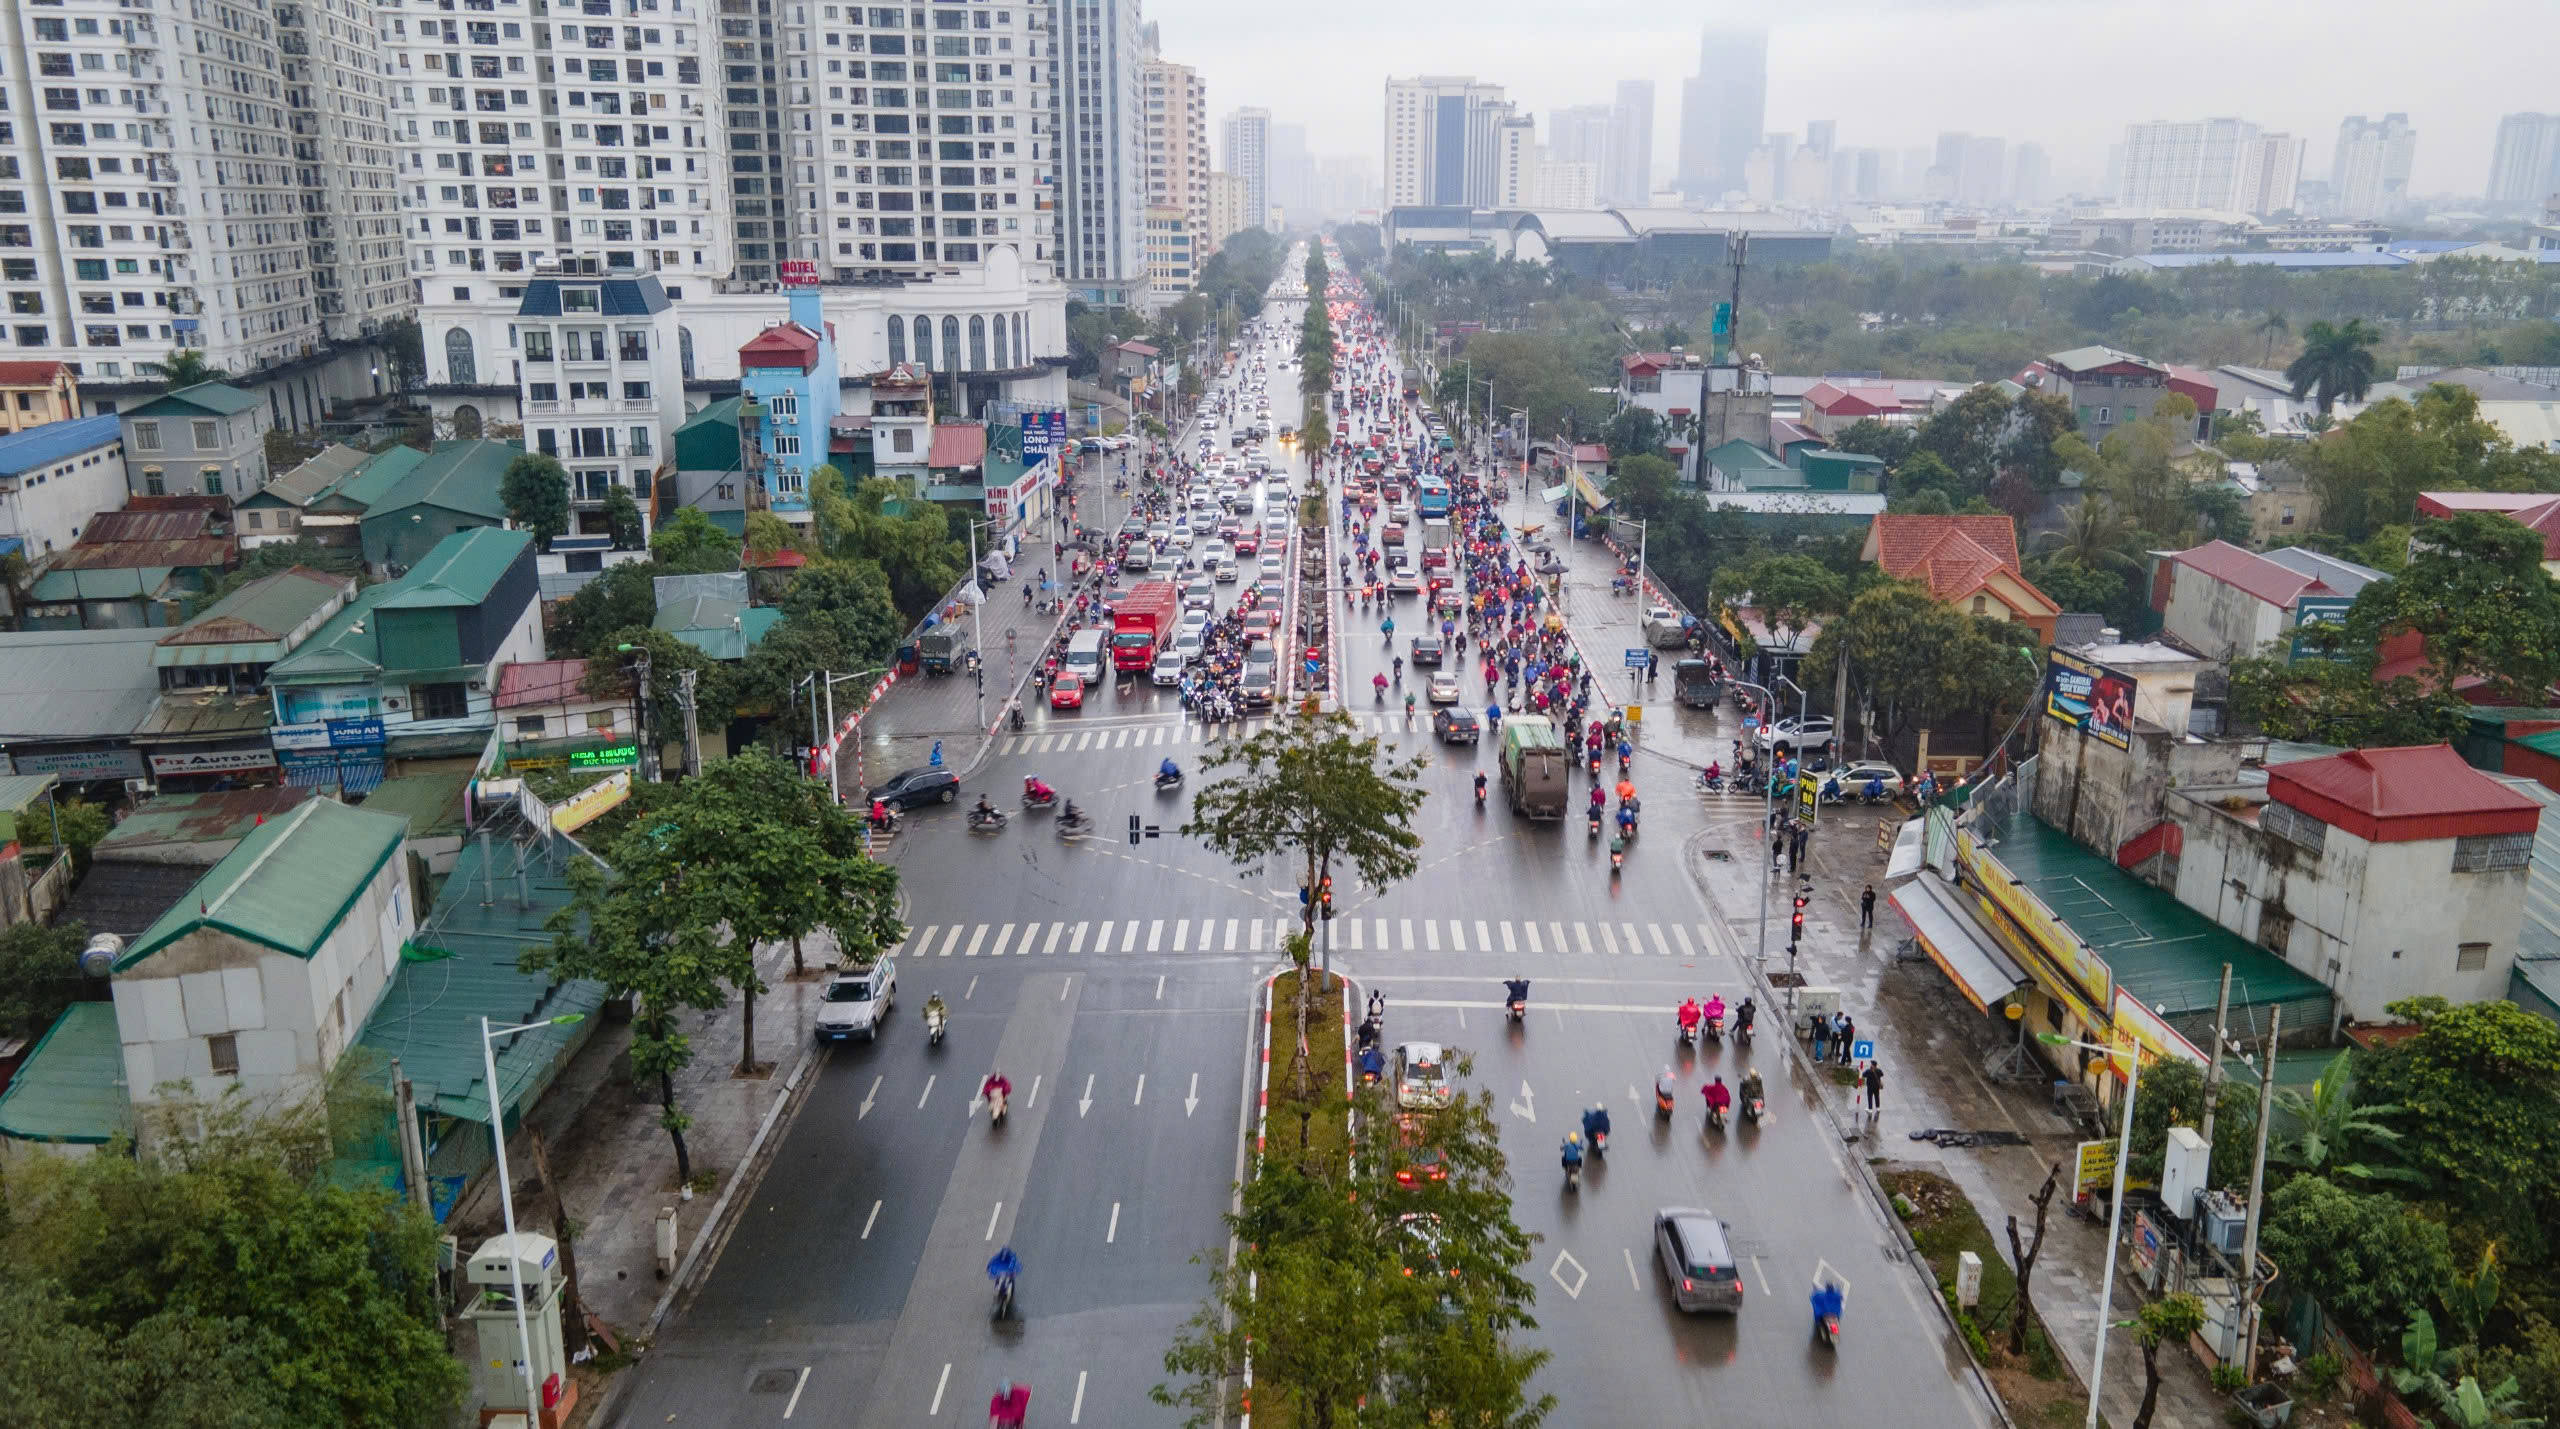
[692, 734]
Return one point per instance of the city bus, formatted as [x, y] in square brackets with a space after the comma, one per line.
[1432, 497]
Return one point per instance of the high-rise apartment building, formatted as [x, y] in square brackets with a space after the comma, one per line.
[1440, 133]
[1722, 111]
[1566, 185]
[1247, 143]
[1229, 203]
[1627, 172]
[1345, 184]
[2030, 175]
[217, 178]
[1515, 162]
[2369, 175]
[2215, 164]
[1579, 134]
[1293, 170]
[1969, 169]
[2525, 165]
[1177, 141]
[1099, 115]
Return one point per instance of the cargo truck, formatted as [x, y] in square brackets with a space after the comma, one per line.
[940, 649]
[1142, 624]
[1534, 766]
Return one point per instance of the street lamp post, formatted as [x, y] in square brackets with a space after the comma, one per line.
[1768, 821]
[506, 1193]
[2115, 1213]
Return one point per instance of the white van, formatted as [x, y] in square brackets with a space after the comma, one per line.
[1084, 654]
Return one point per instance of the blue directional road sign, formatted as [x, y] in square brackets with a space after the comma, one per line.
[1863, 1050]
[1636, 659]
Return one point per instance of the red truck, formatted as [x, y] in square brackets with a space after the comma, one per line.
[1143, 623]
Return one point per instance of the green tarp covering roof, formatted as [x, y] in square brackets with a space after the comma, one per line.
[71, 1087]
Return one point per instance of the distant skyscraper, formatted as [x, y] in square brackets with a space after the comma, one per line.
[1345, 184]
[1822, 136]
[1248, 152]
[1440, 140]
[1722, 111]
[2369, 176]
[1178, 164]
[1578, 134]
[2201, 164]
[2030, 175]
[1293, 169]
[1567, 185]
[1628, 170]
[2525, 167]
[1515, 162]
[1098, 110]
[2269, 174]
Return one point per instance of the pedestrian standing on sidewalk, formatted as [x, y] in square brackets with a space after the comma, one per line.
[1802, 838]
[1874, 1079]
[1844, 1036]
[1777, 850]
[1867, 908]
[1821, 1035]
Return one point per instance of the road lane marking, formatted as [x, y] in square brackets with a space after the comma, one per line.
[1055, 929]
[1142, 1091]
[1035, 1090]
[1155, 934]
[1556, 1271]
[938, 1387]
[1253, 936]
[970, 991]
[1004, 936]
[1430, 932]
[975, 939]
[1632, 1278]
[1101, 942]
[1635, 943]
[1681, 932]
[867, 1220]
[1352, 942]
[1608, 939]
[1084, 1103]
[1558, 928]
[1510, 944]
[1191, 1099]
[1484, 938]
[1159, 987]
[867, 1096]
[951, 942]
[1113, 1234]
[992, 1217]
[1760, 1274]
[1382, 935]
[1231, 935]
[922, 938]
[928, 1091]
[1661, 944]
[1405, 927]
[1075, 1415]
[1064, 987]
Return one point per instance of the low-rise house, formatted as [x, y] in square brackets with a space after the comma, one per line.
[130, 569]
[209, 438]
[34, 394]
[456, 488]
[210, 730]
[408, 669]
[1967, 562]
[71, 702]
[2384, 873]
[2536, 511]
[548, 718]
[2226, 603]
[160, 850]
[274, 512]
[54, 479]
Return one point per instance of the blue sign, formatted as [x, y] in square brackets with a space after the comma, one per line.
[1093, 414]
[354, 733]
[1044, 434]
[1864, 1049]
[1637, 659]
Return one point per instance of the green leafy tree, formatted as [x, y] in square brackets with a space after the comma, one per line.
[2162, 1322]
[1927, 471]
[690, 545]
[184, 368]
[2367, 1257]
[1869, 437]
[2038, 421]
[1968, 436]
[2097, 535]
[1919, 663]
[2076, 587]
[2172, 1094]
[2492, 1069]
[1790, 592]
[622, 519]
[912, 546]
[226, 1263]
[770, 676]
[2327, 1125]
[535, 492]
[39, 975]
[610, 670]
[1635, 431]
[83, 827]
[853, 599]
[1645, 487]
[619, 598]
[267, 560]
[2272, 324]
[2336, 363]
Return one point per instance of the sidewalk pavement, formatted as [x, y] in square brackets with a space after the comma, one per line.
[616, 1164]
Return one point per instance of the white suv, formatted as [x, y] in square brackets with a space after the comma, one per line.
[857, 1001]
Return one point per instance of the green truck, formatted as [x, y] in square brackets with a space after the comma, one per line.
[1534, 766]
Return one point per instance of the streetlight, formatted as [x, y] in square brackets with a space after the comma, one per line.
[2115, 1213]
[506, 1191]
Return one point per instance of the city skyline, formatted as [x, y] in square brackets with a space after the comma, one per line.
[1853, 61]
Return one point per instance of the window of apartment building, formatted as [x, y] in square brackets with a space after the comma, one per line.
[450, 700]
[224, 1049]
[212, 480]
[206, 434]
[146, 436]
[2486, 852]
[2471, 957]
[786, 405]
[529, 726]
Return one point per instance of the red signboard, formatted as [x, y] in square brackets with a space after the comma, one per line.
[799, 273]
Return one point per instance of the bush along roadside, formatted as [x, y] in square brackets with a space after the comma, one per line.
[1376, 1258]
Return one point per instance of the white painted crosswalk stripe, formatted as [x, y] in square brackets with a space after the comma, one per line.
[1256, 934]
[1608, 939]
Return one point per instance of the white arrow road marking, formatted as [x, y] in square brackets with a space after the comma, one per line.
[1085, 1103]
[1191, 1099]
[1142, 1091]
[867, 1220]
[1527, 1107]
[1556, 1271]
[1632, 1278]
[866, 1098]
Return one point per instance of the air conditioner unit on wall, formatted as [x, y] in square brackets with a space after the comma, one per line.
[394, 702]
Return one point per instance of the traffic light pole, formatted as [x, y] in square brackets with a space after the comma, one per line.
[1768, 822]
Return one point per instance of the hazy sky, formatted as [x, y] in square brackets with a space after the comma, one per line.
[2068, 73]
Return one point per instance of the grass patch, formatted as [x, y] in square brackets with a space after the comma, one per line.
[1313, 1126]
[1944, 1225]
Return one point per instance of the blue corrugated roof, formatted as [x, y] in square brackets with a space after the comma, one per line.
[22, 452]
[622, 297]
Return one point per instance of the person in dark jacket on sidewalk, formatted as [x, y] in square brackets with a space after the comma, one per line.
[1874, 1079]
[1867, 908]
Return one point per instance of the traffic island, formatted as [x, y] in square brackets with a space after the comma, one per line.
[1306, 1089]
[2040, 1390]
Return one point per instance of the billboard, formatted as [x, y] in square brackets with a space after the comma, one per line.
[799, 273]
[2089, 697]
[2317, 610]
[1044, 433]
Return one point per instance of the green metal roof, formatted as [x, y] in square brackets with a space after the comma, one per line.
[2161, 951]
[182, 656]
[456, 476]
[431, 802]
[708, 441]
[465, 969]
[345, 649]
[287, 885]
[71, 1087]
[1740, 455]
[215, 397]
[722, 629]
[103, 583]
[461, 571]
[366, 485]
[19, 792]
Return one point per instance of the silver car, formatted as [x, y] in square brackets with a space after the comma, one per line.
[1697, 1257]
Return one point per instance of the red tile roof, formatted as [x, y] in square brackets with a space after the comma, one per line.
[2402, 795]
[1647, 361]
[1590, 451]
[782, 560]
[29, 374]
[957, 444]
[1952, 555]
[2277, 585]
[782, 345]
[2536, 510]
[540, 682]
[1133, 345]
[140, 525]
[1833, 399]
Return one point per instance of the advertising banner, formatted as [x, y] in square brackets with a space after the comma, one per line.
[2089, 697]
[1044, 433]
[212, 761]
[799, 273]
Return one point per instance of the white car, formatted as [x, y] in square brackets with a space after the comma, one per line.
[1814, 733]
[1168, 667]
[856, 1002]
[1187, 645]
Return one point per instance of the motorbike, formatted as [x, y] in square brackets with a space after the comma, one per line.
[1167, 781]
[1742, 1034]
[1715, 1119]
[1595, 823]
[1573, 1175]
[1661, 1103]
[1016, 719]
[1033, 799]
[1517, 1009]
[995, 1107]
[1711, 783]
[1595, 768]
[1754, 1109]
[933, 1025]
[1688, 1035]
[1826, 1328]
[991, 821]
[1617, 856]
[1004, 1297]
[1714, 1027]
[1069, 826]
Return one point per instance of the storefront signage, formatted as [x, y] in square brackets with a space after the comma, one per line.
[620, 756]
[212, 761]
[354, 733]
[2090, 698]
[76, 765]
[1044, 433]
[799, 273]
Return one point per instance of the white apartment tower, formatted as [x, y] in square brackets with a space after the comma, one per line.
[1248, 147]
[1097, 113]
[2212, 164]
[2525, 165]
[1515, 162]
[1627, 170]
[1440, 140]
[214, 177]
[2369, 176]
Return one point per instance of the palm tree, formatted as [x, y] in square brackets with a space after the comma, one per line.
[2272, 326]
[184, 367]
[2097, 534]
[2336, 363]
[2325, 1123]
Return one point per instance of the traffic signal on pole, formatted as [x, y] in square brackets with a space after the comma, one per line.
[1795, 930]
[1324, 891]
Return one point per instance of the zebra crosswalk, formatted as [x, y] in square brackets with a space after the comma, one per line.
[1072, 739]
[1267, 934]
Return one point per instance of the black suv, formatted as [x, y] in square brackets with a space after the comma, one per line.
[928, 785]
